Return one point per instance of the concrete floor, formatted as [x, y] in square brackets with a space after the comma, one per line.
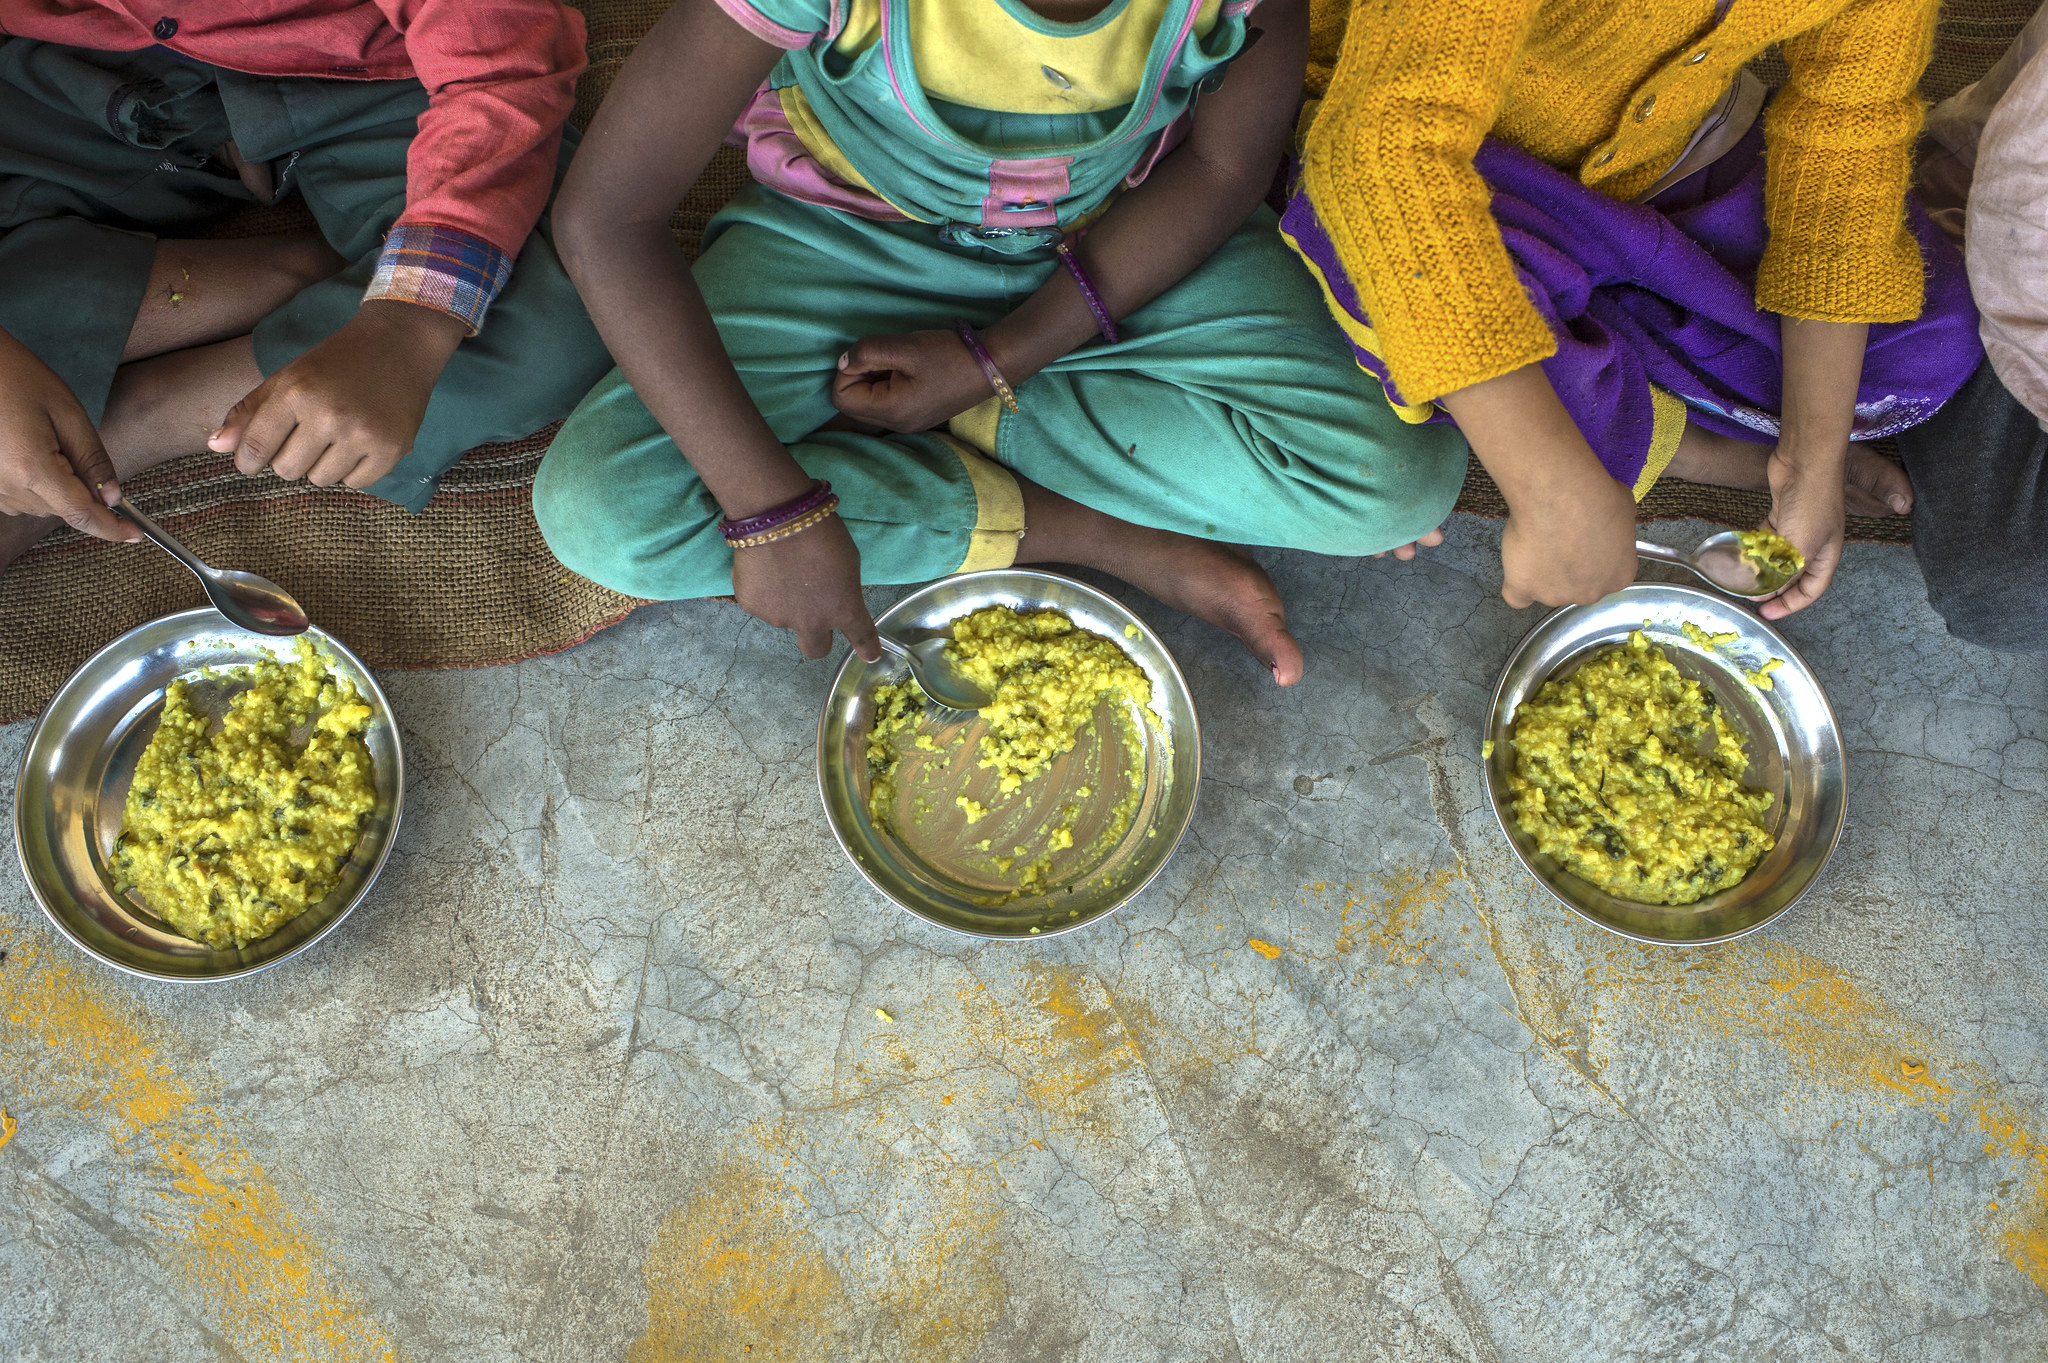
[598, 1074]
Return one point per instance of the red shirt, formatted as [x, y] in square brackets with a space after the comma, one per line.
[500, 78]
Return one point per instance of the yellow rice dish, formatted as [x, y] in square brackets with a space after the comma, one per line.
[1047, 676]
[1611, 779]
[230, 834]
[1774, 557]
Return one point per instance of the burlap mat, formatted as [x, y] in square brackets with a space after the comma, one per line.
[469, 582]
[1674, 499]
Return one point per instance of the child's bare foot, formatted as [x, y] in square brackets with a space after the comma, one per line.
[1215, 582]
[1873, 485]
[19, 534]
[1210, 581]
[1406, 552]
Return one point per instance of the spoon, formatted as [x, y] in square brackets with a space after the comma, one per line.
[935, 674]
[1719, 563]
[255, 603]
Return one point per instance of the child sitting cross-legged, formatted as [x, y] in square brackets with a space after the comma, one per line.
[1004, 283]
[425, 138]
[1584, 232]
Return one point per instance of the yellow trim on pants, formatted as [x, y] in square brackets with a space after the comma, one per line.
[977, 425]
[999, 510]
[1667, 424]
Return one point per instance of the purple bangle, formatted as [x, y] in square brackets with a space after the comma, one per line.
[777, 515]
[1103, 321]
[988, 364]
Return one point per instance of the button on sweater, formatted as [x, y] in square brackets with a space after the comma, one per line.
[1401, 93]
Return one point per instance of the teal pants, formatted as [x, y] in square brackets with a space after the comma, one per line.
[1230, 409]
[101, 153]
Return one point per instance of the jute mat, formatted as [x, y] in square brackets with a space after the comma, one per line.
[469, 582]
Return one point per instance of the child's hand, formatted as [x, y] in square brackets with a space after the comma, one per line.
[347, 410]
[51, 459]
[1576, 544]
[810, 583]
[1807, 508]
[909, 383]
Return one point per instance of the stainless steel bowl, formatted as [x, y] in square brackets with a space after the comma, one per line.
[1795, 750]
[73, 787]
[948, 892]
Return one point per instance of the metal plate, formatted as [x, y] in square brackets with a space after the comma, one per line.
[1085, 888]
[73, 787]
[1795, 753]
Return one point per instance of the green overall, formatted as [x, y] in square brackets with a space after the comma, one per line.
[101, 153]
[1228, 409]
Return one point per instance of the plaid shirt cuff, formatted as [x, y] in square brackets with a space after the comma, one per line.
[443, 268]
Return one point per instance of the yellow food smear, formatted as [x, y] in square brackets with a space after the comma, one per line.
[1772, 555]
[1706, 640]
[229, 835]
[1046, 676]
[1610, 780]
[1760, 678]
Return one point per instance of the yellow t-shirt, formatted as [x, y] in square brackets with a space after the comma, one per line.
[985, 54]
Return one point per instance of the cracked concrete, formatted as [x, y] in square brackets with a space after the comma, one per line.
[599, 1072]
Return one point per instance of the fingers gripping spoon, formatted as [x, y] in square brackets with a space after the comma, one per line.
[255, 603]
[1719, 563]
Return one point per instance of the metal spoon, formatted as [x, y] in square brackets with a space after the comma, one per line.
[935, 674]
[1719, 563]
[255, 603]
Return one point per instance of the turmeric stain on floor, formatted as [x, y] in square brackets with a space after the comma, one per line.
[221, 1231]
[1726, 1007]
[1392, 918]
[736, 1274]
[872, 1223]
[1081, 1039]
[753, 1268]
[1399, 915]
[1715, 1010]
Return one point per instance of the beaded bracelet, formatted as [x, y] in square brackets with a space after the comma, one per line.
[1103, 321]
[777, 515]
[817, 515]
[987, 363]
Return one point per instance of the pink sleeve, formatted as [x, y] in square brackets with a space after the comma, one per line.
[766, 29]
[501, 80]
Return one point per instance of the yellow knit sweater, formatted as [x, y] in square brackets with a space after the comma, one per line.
[1610, 91]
